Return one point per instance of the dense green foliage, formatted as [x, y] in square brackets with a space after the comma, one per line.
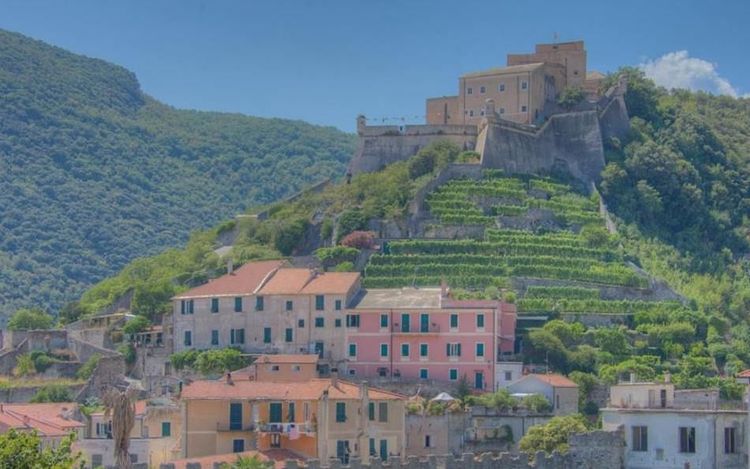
[22, 449]
[553, 435]
[52, 393]
[95, 173]
[30, 318]
[209, 362]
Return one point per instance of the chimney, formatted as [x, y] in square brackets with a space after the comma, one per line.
[334, 377]
[229, 379]
[230, 266]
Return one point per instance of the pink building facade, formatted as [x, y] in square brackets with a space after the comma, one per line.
[422, 334]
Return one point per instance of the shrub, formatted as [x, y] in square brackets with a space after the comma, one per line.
[345, 267]
[128, 353]
[88, 368]
[135, 325]
[29, 319]
[24, 365]
[351, 220]
[536, 403]
[52, 393]
[359, 240]
[336, 255]
[570, 97]
[42, 361]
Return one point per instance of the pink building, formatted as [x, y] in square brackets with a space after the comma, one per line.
[422, 334]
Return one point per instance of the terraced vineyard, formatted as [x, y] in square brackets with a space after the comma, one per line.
[584, 265]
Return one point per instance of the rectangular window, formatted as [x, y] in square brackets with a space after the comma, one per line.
[183, 307]
[214, 337]
[382, 412]
[730, 434]
[337, 305]
[289, 305]
[238, 304]
[191, 306]
[290, 416]
[373, 452]
[453, 350]
[453, 374]
[640, 438]
[471, 113]
[237, 336]
[352, 350]
[454, 321]
[502, 110]
[508, 376]
[341, 411]
[423, 350]
[405, 324]
[238, 446]
[687, 439]
[423, 373]
[320, 322]
[480, 349]
[371, 411]
[469, 91]
[523, 108]
[274, 412]
[383, 320]
[288, 334]
[259, 303]
[337, 323]
[404, 350]
[524, 85]
[188, 339]
[301, 323]
[214, 305]
[501, 87]
[166, 429]
[482, 90]
[480, 321]
[424, 322]
[320, 302]
[235, 416]
[427, 441]
[352, 320]
[266, 335]
[383, 350]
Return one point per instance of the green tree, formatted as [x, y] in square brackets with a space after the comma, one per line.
[553, 436]
[136, 325]
[570, 97]
[29, 319]
[24, 450]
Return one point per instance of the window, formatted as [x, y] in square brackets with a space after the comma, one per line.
[371, 411]
[274, 412]
[481, 90]
[352, 350]
[508, 376]
[372, 447]
[266, 335]
[405, 323]
[405, 350]
[383, 320]
[187, 307]
[501, 87]
[352, 372]
[237, 336]
[342, 451]
[337, 323]
[238, 446]
[502, 110]
[214, 305]
[320, 322]
[524, 85]
[288, 334]
[730, 434]
[337, 305]
[471, 113]
[275, 368]
[383, 350]
[427, 441]
[320, 302]
[235, 416]
[214, 337]
[523, 108]
[188, 340]
[352, 320]
[289, 305]
[480, 321]
[301, 323]
[423, 350]
[640, 438]
[259, 303]
[97, 460]
[424, 322]
[382, 412]
[133, 458]
[166, 429]
[453, 350]
[238, 304]
[453, 374]
[480, 349]
[341, 411]
[423, 373]
[469, 91]
[481, 113]
[687, 439]
[454, 321]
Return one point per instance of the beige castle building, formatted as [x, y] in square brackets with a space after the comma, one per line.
[524, 91]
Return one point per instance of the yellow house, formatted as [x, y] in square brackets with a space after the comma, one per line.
[316, 418]
[280, 368]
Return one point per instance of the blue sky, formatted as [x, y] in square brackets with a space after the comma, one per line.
[327, 61]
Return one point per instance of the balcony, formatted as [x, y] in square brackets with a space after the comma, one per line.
[431, 329]
[305, 427]
[227, 427]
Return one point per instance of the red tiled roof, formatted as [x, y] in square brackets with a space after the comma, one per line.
[243, 281]
[279, 456]
[558, 381]
[744, 374]
[49, 419]
[262, 390]
[306, 282]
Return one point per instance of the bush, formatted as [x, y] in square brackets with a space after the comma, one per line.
[29, 319]
[536, 403]
[88, 368]
[552, 436]
[344, 267]
[128, 353]
[42, 361]
[52, 393]
[336, 255]
[359, 240]
[136, 325]
[219, 361]
[24, 365]
[570, 97]
[351, 220]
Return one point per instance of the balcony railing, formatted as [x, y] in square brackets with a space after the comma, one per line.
[286, 427]
[431, 329]
[227, 427]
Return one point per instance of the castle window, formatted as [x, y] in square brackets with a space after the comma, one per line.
[481, 90]
[501, 87]
[469, 91]
[524, 85]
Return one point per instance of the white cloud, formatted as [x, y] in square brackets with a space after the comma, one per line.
[679, 70]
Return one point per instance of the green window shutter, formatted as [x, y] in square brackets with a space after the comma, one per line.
[214, 305]
[383, 412]
[341, 412]
[320, 302]
[423, 349]
[454, 320]
[383, 350]
[166, 429]
[238, 304]
[480, 320]
[383, 320]
[371, 411]
[266, 335]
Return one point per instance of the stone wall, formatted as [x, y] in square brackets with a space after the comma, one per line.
[23, 394]
[109, 372]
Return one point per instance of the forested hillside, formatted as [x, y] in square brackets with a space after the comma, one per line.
[94, 173]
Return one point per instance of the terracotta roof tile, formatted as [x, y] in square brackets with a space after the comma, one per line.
[335, 283]
[304, 282]
[744, 374]
[49, 419]
[262, 390]
[243, 281]
[558, 381]
[286, 282]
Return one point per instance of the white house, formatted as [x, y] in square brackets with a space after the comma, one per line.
[561, 392]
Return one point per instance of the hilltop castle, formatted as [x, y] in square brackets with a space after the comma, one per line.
[511, 117]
